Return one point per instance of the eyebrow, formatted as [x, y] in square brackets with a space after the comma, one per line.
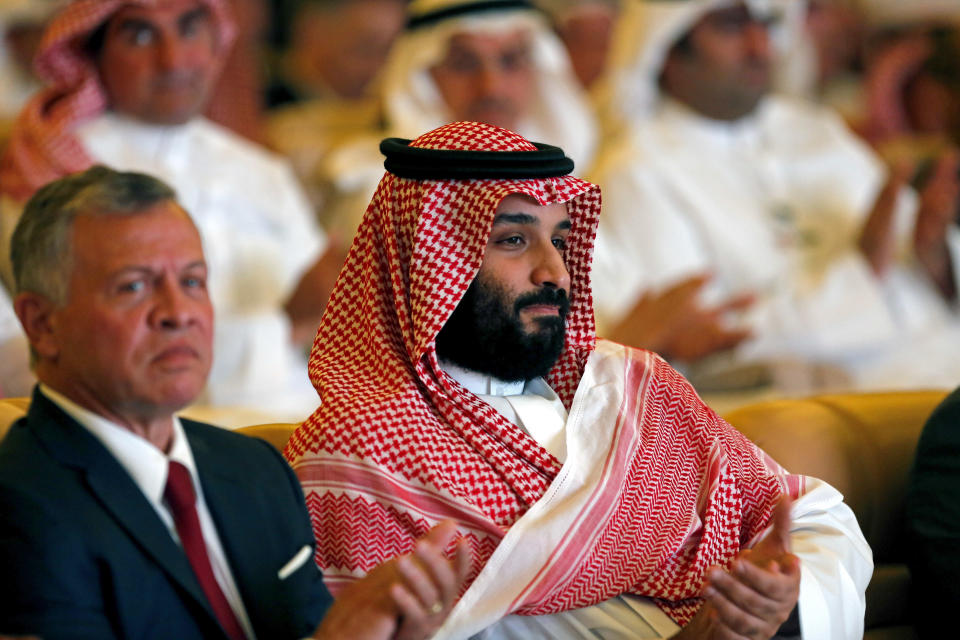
[515, 218]
[134, 24]
[146, 269]
[526, 219]
[193, 14]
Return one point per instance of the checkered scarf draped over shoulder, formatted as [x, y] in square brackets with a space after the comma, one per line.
[42, 145]
[383, 395]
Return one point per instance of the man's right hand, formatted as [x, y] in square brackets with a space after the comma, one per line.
[877, 241]
[757, 595]
[674, 324]
[406, 598]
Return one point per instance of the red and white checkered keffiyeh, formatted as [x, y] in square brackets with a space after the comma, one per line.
[398, 445]
[42, 145]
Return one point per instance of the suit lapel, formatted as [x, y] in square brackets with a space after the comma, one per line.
[73, 446]
[230, 501]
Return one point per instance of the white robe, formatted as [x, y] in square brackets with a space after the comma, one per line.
[258, 237]
[772, 204]
[836, 562]
[16, 379]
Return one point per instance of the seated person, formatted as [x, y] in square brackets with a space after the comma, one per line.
[498, 63]
[852, 275]
[118, 519]
[461, 378]
[933, 521]
[127, 83]
[321, 97]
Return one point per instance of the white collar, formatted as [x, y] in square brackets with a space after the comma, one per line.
[146, 464]
[483, 384]
[730, 133]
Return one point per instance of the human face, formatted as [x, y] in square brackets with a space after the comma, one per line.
[725, 71]
[524, 253]
[158, 63]
[133, 342]
[343, 49]
[487, 77]
[511, 321]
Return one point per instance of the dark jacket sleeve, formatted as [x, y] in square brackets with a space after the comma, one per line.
[933, 521]
[48, 580]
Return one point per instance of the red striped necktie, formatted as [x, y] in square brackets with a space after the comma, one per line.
[182, 500]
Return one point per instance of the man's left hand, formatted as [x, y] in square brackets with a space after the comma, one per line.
[756, 596]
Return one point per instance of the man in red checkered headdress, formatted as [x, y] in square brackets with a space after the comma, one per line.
[460, 378]
[127, 83]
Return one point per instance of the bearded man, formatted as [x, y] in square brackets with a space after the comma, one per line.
[460, 378]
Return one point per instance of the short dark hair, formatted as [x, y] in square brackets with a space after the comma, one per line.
[40, 248]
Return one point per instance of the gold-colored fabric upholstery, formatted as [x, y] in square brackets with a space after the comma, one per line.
[11, 410]
[276, 433]
[863, 444]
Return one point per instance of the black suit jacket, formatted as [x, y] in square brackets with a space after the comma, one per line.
[933, 522]
[84, 555]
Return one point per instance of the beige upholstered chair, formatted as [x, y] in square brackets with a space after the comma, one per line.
[276, 433]
[11, 410]
[863, 444]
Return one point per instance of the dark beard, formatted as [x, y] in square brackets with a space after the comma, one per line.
[485, 333]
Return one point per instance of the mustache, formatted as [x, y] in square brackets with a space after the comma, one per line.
[176, 78]
[556, 297]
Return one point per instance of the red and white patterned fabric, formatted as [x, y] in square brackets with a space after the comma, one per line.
[397, 445]
[42, 145]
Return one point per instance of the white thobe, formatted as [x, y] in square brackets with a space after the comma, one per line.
[16, 379]
[259, 237]
[773, 205]
[824, 535]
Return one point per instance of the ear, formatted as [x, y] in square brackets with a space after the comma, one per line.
[35, 313]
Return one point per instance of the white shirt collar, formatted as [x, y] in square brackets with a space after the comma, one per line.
[531, 405]
[724, 133]
[482, 384]
[146, 464]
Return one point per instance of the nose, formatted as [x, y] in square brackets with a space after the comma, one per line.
[174, 308]
[169, 52]
[489, 80]
[758, 39]
[550, 270]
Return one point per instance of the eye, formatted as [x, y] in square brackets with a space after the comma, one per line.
[192, 281]
[194, 24]
[515, 60]
[141, 36]
[515, 240]
[131, 286]
[560, 243]
[463, 63]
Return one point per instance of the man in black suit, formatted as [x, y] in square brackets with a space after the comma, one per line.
[933, 521]
[118, 519]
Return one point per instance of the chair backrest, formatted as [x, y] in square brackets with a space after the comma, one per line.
[276, 433]
[11, 410]
[864, 445]
[861, 443]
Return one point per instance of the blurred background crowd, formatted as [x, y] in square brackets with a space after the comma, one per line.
[780, 177]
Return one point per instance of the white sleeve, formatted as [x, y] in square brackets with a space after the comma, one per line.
[16, 378]
[836, 564]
